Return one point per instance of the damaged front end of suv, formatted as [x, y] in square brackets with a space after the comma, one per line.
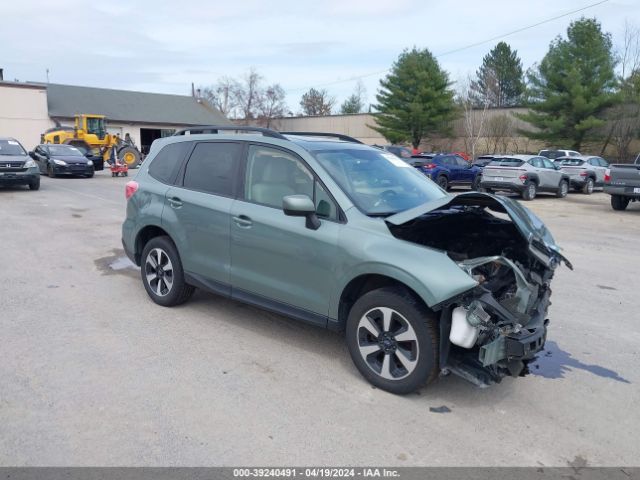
[496, 328]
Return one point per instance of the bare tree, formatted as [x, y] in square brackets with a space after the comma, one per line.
[317, 102]
[272, 104]
[222, 95]
[248, 95]
[623, 125]
[473, 118]
[499, 133]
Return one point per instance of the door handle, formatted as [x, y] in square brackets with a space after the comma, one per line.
[243, 221]
[175, 202]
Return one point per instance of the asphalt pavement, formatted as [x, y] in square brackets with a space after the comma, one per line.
[92, 373]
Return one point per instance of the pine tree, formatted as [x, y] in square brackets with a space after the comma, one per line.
[414, 99]
[573, 86]
[500, 81]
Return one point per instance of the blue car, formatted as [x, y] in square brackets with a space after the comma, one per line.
[448, 170]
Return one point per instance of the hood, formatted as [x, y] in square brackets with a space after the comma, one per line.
[12, 158]
[70, 158]
[528, 224]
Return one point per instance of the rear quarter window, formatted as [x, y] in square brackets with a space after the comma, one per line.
[165, 165]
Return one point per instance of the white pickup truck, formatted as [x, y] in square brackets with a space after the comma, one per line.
[622, 182]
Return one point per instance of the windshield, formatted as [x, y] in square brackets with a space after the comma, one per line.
[11, 147]
[378, 183]
[64, 150]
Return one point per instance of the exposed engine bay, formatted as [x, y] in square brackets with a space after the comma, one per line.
[497, 328]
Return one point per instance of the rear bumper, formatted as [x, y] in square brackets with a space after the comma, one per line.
[621, 190]
[508, 186]
[20, 178]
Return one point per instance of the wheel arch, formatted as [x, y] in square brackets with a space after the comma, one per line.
[365, 283]
[142, 238]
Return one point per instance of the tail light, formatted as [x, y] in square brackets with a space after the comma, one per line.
[523, 178]
[583, 174]
[429, 166]
[607, 175]
[130, 188]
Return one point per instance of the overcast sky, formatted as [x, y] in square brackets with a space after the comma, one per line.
[162, 46]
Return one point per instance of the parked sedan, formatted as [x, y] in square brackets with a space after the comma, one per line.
[57, 160]
[448, 170]
[526, 175]
[585, 172]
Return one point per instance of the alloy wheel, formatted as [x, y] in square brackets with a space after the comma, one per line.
[388, 343]
[158, 271]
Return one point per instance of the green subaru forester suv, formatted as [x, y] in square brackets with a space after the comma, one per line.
[326, 230]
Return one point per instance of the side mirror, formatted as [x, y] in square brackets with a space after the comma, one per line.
[556, 166]
[301, 206]
[32, 154]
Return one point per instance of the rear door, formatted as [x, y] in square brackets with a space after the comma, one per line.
[197, 211]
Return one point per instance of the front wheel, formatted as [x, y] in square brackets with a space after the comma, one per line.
[51, 173]
[393, 340]
[35, 185]
[530, 191]
[475, 185]
[162, 273]
[563, 189]
[618, 202]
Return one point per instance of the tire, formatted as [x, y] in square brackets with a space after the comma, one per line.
[475, 185]
[90, 175]
[50, 172]
[398, 367]
[443, 182]
[563, 189]
[530, 191]
[130, 156]
[587, 188]
[618, 202]
[164, 289]
[35, 185]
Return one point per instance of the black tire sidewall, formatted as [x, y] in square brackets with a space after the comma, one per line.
[525, 193]
[559, 193]
[586, 189]
[445, 182]
[423, 323]
[175, 296]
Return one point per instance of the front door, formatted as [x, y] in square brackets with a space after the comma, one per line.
[552, 175]
[275, 259]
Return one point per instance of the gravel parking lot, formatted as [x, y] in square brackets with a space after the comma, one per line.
[93, 373]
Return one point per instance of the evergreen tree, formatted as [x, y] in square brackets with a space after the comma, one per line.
[355, 102]
[500, 81]
[573, 86]
[414, 99]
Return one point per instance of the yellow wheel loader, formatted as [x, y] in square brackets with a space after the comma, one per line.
[90, 135]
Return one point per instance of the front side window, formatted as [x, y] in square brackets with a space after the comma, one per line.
[378, 183]
[273, 174]
[212, 168]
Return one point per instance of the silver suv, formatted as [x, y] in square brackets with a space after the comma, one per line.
[526, 175]
[585, 172]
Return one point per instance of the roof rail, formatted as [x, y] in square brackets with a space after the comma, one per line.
[267, 132]
[339, 136]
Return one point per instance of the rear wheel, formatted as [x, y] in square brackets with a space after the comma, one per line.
[530, 191]
[563, 189]
[393, 340]
[162, 273]
[587, 188]
[443, 182]
[618, 202]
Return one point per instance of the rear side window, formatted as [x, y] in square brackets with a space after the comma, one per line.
[212, 168]
[166, 163]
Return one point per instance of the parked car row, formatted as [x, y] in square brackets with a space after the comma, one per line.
[19, 167]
